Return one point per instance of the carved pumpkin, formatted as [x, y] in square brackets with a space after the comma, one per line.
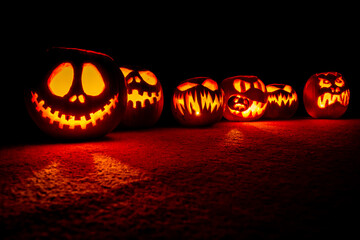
[145, 98]
[326, 95]
[197, 102]
[282, 101]
[245, 98]
[83, 94]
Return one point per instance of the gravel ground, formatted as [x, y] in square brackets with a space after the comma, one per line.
[295, 179]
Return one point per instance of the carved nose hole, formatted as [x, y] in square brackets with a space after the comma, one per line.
[137, 79]
[73, 98]
[82, 98]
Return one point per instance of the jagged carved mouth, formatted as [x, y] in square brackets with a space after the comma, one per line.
[152, 97]
[327, 99]
[283, 99]
[70, 120]
[244, 107]
[196, 104]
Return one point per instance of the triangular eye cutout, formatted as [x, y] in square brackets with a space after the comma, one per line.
[61, 79]
[187, 85]
[287, 88]
[210, 84]
[125, 71]
[92, 81]
[271, 88]
[148, 77]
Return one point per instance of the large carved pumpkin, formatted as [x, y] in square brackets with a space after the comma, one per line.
[83, 94]
[282, 101]
[197, 102]
[326, 95]
[145, 98]
[245, 98]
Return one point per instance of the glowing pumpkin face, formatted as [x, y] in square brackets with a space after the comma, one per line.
[197, 101]
[81, 97]
[282, 101]
[245, 98]
[145, 98]
[326, 95]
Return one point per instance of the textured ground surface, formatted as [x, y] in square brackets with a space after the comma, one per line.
[290, 179]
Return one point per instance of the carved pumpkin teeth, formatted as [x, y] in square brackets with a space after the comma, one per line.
[282, 99]
[70, 120]
[138, 98]
[194, 103]
[327, 99]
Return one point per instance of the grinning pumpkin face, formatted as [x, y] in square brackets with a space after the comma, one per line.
[282, 101]
[245, 98]
[145, 98]
[80, 97]
[326, 95]
[197, 101]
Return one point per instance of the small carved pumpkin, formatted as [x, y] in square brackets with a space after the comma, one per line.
[145, 98]
[326, 95]
[82, 96]
[245, 98]
[282, 101]
[197, 102]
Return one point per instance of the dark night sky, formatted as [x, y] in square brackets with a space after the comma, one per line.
[179, 42]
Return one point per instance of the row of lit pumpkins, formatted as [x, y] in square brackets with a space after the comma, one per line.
[85, 94]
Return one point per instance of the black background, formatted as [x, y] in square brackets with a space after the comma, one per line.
[278, 43]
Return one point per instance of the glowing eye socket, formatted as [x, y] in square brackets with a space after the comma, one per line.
[148, 77]
[270, 88]
[187, 85]
[324, 83]
[61, 79]
[210, 84]
[340, 82]
[92, 81]
[288, 88]
[241, 86]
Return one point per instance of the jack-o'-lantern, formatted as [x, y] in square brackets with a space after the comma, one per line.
[326, 95]
[83, 94]
[197, 102]
[282, 101]
[145, 98]
[245, 98]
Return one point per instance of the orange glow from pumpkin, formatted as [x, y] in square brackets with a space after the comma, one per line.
[191, 102]
[327, 99]
[61, 79]
[92, 81]
[69, 120]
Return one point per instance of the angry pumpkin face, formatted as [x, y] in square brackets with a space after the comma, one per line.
[282, 101]
[245, 98]
[81, 96]
[326, 95]
[145, 97]
[197, 101]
